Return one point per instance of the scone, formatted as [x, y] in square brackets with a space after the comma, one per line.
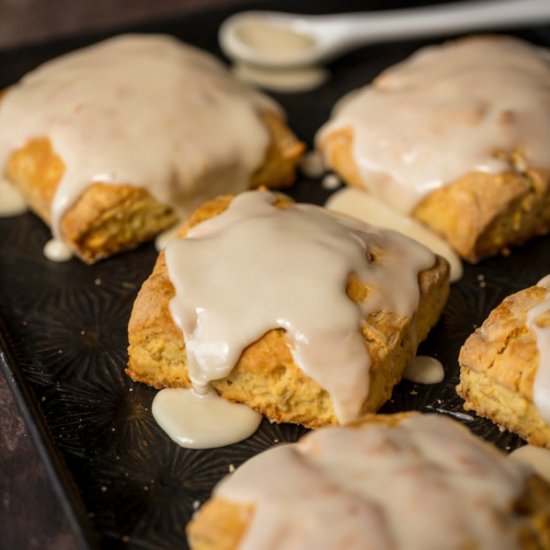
[505, 365]
[456, 137]
[401, 482]
[113, 143]
[302, 314]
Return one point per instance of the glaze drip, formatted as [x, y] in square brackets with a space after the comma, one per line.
[446, 112]
[425, 482]
[144, 110]
[258, 267]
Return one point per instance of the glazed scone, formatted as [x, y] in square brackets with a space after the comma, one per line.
[113, 143]
[403, 482]
[363, 320]
[455, 136]
[505, 365]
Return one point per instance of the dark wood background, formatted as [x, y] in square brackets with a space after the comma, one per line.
[31, 515]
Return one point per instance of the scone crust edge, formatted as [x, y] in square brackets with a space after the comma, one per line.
[479, 214]
[498, 364]
[221, 524]
[266, 377]
[109, 218]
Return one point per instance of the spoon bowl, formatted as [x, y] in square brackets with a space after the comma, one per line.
[277, 40]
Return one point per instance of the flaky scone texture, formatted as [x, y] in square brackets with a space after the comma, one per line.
[498, 364]
[480, 214]
[110, 218]
[266, 377]
[221, 524]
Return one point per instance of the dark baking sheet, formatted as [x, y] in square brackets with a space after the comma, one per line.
[63, 334]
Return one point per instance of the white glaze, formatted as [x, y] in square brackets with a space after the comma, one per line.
[363, 206]
[302, 79]
[204, 421]
[162, 239]
[444, 112]
[57, 251]
[312, 165]
[426, 483]
[257, 267]
[12, 202]
[274, 41]
[424, 370]
[541, 384]
[536, 457]
[331, 182]
[145, 110]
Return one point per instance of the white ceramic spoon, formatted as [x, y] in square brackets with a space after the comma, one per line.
[314, 39]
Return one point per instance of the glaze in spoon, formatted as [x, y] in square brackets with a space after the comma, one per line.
[281, 40]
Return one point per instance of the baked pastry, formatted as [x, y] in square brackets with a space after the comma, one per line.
[403, 481]
[454, 136]
[505, 365]
[113, 143]
[302, 314]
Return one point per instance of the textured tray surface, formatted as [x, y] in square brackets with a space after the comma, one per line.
[65, 328]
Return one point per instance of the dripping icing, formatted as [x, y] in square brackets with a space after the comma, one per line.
[57, 251]
[424, 370]
[288, 268]
[424, 483]
[202, 421]
[150, 132]
[452, 107]
[365, 207]
[12, 202]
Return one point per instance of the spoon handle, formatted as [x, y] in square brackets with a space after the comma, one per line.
[352, 29]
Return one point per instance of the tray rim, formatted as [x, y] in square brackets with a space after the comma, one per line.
[57, 472]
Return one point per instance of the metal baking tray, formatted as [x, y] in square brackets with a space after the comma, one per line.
[63, 332]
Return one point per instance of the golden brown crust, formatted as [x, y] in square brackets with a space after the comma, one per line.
[107, 219]
[222, 524]
[479, 214]
[498, 365]
[282, 155]
[266, 377]
[219, 525]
